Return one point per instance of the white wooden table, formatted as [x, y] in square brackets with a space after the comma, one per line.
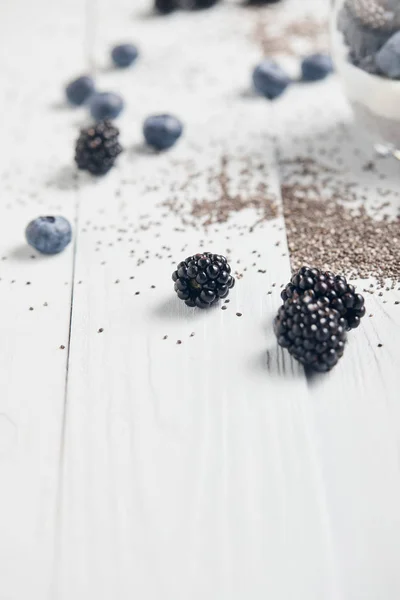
[135, 467]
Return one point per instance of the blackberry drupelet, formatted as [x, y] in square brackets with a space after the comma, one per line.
[203, 279]
[97, 148]
[340, 295]
[312, 332]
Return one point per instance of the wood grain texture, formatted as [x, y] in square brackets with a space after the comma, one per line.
[211, 468]
[35, 179]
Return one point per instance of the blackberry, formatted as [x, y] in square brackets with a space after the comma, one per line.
[340, 295]
[376, 14]
[312, 332]
[203, 279]
[97, 148]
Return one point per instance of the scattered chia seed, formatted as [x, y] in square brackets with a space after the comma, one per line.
[165, 337]
[100, 330]
[291, 36]
[207, 212]
[238, 314]
[342, 236]
[224, 307]
[179, 342]
[62, 347]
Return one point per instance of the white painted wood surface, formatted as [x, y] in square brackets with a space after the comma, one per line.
[133, 466]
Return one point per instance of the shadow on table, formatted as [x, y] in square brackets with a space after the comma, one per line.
[173, 309]
[142, 149]
[69, 178]
[275, 362]
[24, 253]
[61, 105]
[248, 94]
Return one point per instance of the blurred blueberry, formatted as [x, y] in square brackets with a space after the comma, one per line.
[165, 6]
[162, 131]
[106, 105]
[270, 80]
[124, 55]
[201, 4]
[316, 67]
[388, 57]
[49, 235]
[79, 90]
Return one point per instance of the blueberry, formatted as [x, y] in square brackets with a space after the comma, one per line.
[49, 235]
[316, 67]
[106, 105]
[79, 90]
[388, 57]
[162, 131]
[270, 80]
[261, 2]
[201, 4]
[165, 6]
[124, 55]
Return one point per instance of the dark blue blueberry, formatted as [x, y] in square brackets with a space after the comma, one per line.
[201, 4]
[388, 57]
[316, 67]
[124, 55]
[162, 131]
[166, 6]
[49, 235]
[79, 90]
[106, 105]
[270, 80]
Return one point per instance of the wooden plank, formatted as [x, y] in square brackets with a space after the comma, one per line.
[35, 179]
[354, 411]
[188, 469]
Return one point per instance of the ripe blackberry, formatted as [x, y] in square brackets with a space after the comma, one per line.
[313, 333]
[97, 148]
[202, 279]
[340, 295]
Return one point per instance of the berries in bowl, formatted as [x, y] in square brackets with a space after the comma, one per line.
[366, 50]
